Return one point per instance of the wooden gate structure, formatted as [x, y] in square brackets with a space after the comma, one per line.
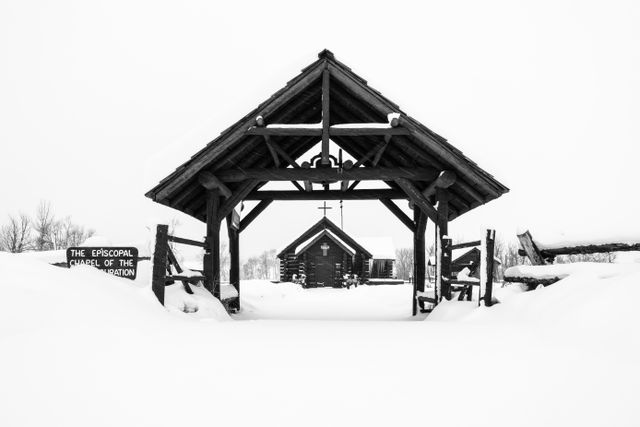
[326, 102]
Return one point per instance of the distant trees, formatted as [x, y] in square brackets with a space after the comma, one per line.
[404, 263]
[43, 232]
[263, 266]
[16, 235]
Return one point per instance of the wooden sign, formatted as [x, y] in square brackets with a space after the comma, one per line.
[121, 262]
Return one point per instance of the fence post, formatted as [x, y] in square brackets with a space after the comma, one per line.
[489, 243]
[159, 272]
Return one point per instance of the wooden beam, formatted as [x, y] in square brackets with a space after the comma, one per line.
[444, 245]
[341, 130]
[257, 210]
[376, 152]
[416, 196]
[272, 151]
[211, 182]
[325, 117]
[159, 262]
[376, 159]
[530, 248]
[211, 260]
[328, 174]
[234, 260]
[445, 180]
[399, 214]
[487, 264]
[326, 195]
[419, 257]
[238, 196]
[285, 156]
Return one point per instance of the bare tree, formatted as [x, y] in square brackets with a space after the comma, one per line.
[404, 263]
[16, 235]
[224, 261]
[42, 226]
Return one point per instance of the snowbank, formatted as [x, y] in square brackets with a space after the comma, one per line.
[82, 348]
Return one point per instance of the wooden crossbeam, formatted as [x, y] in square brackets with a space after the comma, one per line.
[257, 210]
[239, 195]
[211, 182]
[377, 155]
[327, 174]
[332, 131]
[399, 214]
[272, 151]
[415, 195]
[326, 195]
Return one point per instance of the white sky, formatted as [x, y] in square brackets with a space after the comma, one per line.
[100, 100]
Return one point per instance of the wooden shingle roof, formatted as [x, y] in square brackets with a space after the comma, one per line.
[352, 100]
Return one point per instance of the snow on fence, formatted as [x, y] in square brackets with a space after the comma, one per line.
[165, 263]
[542, 254]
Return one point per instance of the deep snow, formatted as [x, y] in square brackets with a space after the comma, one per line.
[79, 347]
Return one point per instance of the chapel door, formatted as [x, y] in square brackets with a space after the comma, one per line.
[324, 270]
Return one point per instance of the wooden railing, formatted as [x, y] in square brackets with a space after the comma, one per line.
[446, 284]
[165, 262]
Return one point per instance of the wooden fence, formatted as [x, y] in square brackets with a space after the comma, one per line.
[545, 256]
[446, 284]
[167, 270]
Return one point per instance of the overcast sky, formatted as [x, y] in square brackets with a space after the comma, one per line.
[101, 100]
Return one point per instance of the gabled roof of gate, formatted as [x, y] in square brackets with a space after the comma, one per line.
[352, 100]
[318, 227]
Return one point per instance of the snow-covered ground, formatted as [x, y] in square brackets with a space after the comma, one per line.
[79, 347]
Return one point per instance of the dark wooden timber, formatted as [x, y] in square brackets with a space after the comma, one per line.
[323, 174]
[257, 210]
[531, 280]
[399, 214]
[211, 182]
[238, 196]
[325, 117]
[586, 249]
[466, 245]
[463, 282]
[488, 266]
[160, 262]
[443, 245]
[180, 278]
[272, 151]
[326, 195]
[416, 197]
[531, 249]
[186, 241]
[332, 131]
[419, 257]
[211, 265]
[234, 260]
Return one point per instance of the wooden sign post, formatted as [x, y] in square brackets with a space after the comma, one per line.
[119, 261]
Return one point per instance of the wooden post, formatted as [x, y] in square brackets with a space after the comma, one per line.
[212, 251]
[234, 259]
[530, 248]
[160, 261]
[443, 265]
[325, 117]
[488, 267]
[419, 261]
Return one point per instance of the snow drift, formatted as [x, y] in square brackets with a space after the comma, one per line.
[81, 348]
